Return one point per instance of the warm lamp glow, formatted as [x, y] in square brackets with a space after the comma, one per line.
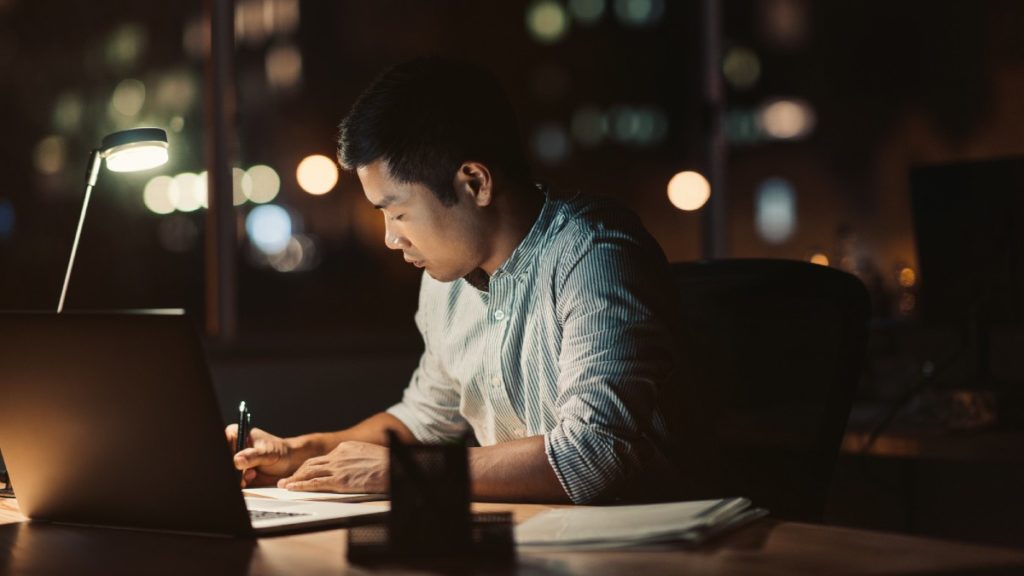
[688, 190]
[819, 258]
[138, 157]
[134, 150]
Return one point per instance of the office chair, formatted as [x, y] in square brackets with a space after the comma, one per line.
[771, 353]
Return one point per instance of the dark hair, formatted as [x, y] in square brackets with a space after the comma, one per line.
[426, 117]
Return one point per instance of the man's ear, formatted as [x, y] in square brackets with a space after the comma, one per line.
[474, 183]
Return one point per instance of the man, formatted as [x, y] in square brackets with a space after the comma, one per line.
[544, 317]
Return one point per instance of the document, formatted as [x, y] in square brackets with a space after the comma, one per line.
[616, 526]
[282, 494]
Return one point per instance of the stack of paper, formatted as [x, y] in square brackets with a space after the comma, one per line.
[616, 526]
[282, 494]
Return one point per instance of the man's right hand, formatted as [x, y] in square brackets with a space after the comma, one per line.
[266, 459]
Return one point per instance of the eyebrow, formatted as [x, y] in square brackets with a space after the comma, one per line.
[386, 201]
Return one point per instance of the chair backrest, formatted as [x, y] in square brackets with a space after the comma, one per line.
[774, 351]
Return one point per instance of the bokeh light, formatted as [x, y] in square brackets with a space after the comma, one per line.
[160, 195]
[907, 303]
[269, 228]
[241, 186]
[6, 219]
[50, 154]
[784, 22]
[547, 21]
[742, 126]
[129, 97]
[125, 46]
[688, 190]
[201, 189]
[189, 191]
[586, 11]
[284, 17]
[819, 258]
[907, 277]
[589, 126]
[637, 13]
[283, 66]
[317, 174]
[775, 210]
[638, 126]
[175, 91]
[195, 39]
[551, 143]
[787, 119]
[741, 67]
[300, 254]
[67, 113]
[264, 184]
[250, 24]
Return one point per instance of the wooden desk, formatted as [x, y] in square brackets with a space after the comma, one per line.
[765, 548]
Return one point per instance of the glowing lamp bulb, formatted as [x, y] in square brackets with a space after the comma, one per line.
[135, 150]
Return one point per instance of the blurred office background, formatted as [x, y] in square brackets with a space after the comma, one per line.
[825, 108]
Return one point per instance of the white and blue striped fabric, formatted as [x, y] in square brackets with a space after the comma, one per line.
[568, 340]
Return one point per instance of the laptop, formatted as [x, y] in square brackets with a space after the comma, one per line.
[111, 419]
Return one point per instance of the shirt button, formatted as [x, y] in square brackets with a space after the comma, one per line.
[495, 382]
[499, 315]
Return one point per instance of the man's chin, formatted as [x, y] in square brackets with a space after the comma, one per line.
[441, 276]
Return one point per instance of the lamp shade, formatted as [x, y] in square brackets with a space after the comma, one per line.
[135, 149]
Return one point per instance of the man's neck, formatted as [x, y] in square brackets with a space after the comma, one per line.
[515, 219]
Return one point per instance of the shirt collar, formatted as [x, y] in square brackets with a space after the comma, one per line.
[522, 257]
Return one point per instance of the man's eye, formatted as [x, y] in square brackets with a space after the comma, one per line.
[398, 217]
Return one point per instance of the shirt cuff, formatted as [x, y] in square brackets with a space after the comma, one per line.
[424, 434]
[573, 473]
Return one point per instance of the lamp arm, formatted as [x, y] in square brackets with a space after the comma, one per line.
[95, 160]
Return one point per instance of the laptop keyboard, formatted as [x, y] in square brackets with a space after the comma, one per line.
[269, 515]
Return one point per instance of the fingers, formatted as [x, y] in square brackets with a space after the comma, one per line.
[231, 432]
[318, 484]
[312, 468]
[258, 455]
[256, 479]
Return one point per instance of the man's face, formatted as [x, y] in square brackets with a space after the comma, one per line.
[448, 241]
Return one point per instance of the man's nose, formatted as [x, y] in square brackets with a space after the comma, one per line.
[392, 239]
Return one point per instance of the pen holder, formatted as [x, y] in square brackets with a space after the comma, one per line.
[429, 488]
[430, 517]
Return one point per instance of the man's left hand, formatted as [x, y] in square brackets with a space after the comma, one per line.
[351, 467]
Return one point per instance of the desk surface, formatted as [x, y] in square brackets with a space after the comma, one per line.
[767, 548]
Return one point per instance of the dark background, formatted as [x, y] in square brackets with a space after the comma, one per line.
[892, 85]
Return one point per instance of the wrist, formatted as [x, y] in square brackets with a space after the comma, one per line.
[306, 446]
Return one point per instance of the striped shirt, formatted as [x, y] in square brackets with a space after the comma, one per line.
[569, 340]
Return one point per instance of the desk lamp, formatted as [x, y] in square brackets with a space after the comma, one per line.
[126, 151]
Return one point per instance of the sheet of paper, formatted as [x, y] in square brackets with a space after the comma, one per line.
[620, 525]
[282, 494]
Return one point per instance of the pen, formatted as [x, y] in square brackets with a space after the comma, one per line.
[244, 427]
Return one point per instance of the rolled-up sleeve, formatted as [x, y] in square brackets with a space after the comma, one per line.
[615, 352]
[430, 404]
